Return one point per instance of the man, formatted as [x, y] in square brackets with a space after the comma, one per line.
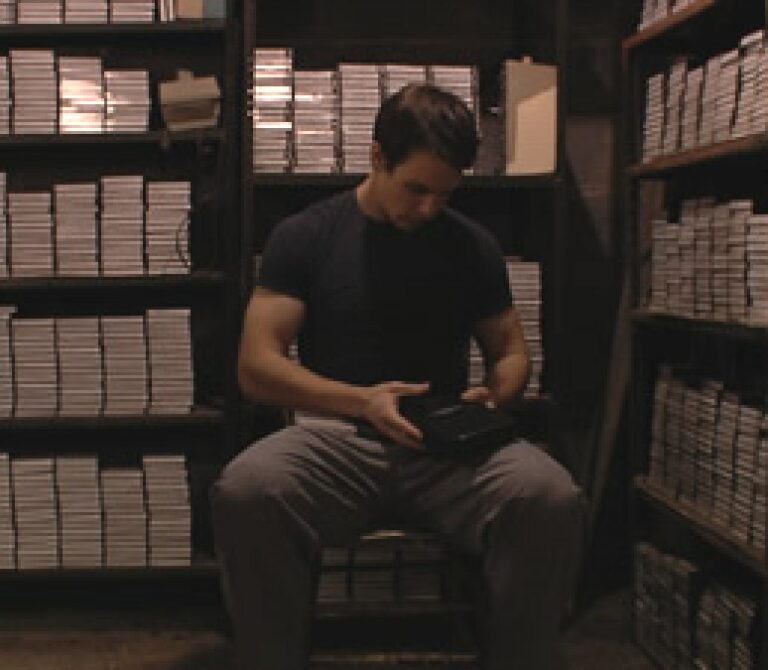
[383, 286]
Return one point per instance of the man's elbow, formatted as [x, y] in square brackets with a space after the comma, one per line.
[250, 379]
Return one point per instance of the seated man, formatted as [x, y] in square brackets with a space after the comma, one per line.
[383, 285]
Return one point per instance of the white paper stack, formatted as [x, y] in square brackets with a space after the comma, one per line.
[34, 356]
[721, 222]
[271, 100]
[76, 217]
[3, 227]
[757, 269]
[81, 94]
[33, 78]
[86, 11]
[7, 12]
[122, 225]
[709, 101]
[674, 106]
[131, 11]
[687, 266]
[694, 83]
[80, 374]
[751, 47]
[127, 101]
[316, 121]
[360, 101]
[653, 123]
[395, 76]
[125, 364]
[525, 285]
[38, 11]
[77, 484]
[6, 362]
[760, 116]
[169, 519]
[5, 96]
[7, 532]
[741, 210]
[170, 361]
[31, 237]
[125, 519]
[167, 227]
[704, 210]
[34, 502]
[727, 90]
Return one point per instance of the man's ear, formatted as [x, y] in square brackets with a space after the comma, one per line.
[378, 162]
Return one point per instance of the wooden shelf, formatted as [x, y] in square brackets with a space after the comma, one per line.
[393, 659]
[721, 328]
[747, 555]
[328, 610]
[201, 279]
[665, 26]
[160, 137]
[113, 29]
[415, 44]
[292, 180]
[201, 417]
[700, 156]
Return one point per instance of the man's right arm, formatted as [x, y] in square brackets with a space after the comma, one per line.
[267, 375]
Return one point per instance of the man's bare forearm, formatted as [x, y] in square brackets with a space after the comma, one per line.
[277, 380]
[507, 377]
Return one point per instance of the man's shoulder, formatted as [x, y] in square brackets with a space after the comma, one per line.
[320, 214]
[469, 229]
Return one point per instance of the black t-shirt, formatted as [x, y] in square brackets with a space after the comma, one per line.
[384, 304]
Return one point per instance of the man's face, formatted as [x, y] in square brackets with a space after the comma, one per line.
[414, 191]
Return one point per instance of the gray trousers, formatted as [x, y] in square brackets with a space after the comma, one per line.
[279, 501]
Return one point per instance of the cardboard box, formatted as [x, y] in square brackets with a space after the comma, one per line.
[189, 9]
[190, 102]
[530, 99]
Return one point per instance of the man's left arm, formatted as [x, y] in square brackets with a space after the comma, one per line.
[505, 354]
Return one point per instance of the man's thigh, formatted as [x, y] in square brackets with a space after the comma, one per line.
[328, 477]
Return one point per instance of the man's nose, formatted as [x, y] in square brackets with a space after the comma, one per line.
[430, 206]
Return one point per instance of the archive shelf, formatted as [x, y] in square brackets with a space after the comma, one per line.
[700, 352]
[141, 30]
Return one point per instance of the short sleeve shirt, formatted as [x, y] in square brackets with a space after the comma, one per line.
[384, 304]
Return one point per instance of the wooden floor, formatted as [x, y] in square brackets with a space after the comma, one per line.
[91, 639]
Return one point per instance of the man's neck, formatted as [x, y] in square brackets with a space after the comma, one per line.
[367, 202]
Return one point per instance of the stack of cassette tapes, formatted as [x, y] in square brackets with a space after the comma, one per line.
[5, 96]
[686, 268]
[740, 212]
[725, 445]
[3, 227]
[709, 97]
[653, 11]
[169, 518]
[81, 94]
[653, 123]
[373, 571]
[674, 106]
[271, 104]
[6, 362]
[525, 284]
[131, 11]
[31, 238]
[7, 532]
[127, 101]
[657, 451]
[747, 443]
[751, 46]
[80, 374]
[360, 100]
[125, 364]
[420, 570]
[761, 476]
[727, 90]
[395, 76]
[125, 518]
[334, 570]
[703, 210]
[7, 12]
[33, 76]
[757, 269]
[664, 238]
[689, 132]
[35, 516]
[170, 361]
[167, 227]
[86, 11]
[38, 11]
[709, 399]
[726, 623]
[34, 355]
[316, 121]
[122, 225]
[721, 216]
[79, 504]
[760, 112]
[76, 226]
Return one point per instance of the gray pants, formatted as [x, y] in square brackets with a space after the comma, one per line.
[279, 501]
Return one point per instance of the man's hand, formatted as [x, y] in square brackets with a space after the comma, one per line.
[382, 412]
[479, 394]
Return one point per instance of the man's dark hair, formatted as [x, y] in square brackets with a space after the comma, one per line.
[425, 117]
